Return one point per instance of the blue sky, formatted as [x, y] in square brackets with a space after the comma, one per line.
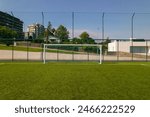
[88, 16]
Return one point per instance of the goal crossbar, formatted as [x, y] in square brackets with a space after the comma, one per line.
[75, 45]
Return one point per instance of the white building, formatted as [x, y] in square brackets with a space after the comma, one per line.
[136, 46]
[29, 35]
[52, 39]
[35, 30]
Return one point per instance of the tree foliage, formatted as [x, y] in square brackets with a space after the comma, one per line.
[49, 27]
[84, 35]
[84, 39]
[105, 45]
[6, 32]
[62, 33]
[49, 31]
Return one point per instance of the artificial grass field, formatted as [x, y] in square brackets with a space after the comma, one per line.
[74, 81]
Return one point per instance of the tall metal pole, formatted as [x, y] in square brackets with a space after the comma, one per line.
[43, 25]
[24, 28]
[72, 25]
[103, 31]
[146, 51]
[103, 28]
[132, 32]
[117, 50]
[42, 18]
[132, 26]
[27, 50]
[13, 39]
[44, 54]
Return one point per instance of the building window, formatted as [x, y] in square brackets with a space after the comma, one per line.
[138, 49]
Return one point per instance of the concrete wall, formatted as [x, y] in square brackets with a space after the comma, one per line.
[124, 46]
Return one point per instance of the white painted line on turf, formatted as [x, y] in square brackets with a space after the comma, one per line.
[123, 64]
[18, 63]
[145, 65]
[2, 63]
[24, 63]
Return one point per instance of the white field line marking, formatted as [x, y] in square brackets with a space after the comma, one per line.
[22, 63]
[123, 64]
[82, 64]
[2, 63]
[18, 63]
[145, 65]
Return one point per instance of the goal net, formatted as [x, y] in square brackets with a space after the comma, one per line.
[72, 52]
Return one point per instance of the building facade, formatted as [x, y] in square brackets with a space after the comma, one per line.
[35, 30]
[138, 47]
[12, 22]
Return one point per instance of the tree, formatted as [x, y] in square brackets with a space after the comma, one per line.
[48, 31]
[85, 38]
[105, 45]
[76, 41]
[49, 27]
[46, 34]
[6, 32]
[84, 35]
[62, 33]
[53, 31]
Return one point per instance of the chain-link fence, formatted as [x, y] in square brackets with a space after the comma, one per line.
[124, 36]
[115, 50]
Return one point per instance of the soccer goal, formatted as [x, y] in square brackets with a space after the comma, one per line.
[72, 52]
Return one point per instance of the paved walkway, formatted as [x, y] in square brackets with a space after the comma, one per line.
[22, 55]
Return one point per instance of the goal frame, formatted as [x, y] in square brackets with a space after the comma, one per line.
[78, 45]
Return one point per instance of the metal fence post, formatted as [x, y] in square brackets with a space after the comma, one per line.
[42, 51]
[42, 18]
[72, 25]
[73, 54]
[132, 33]
[88, 55]
[12, 50]
[103, 31]
[27, 50]
[57, 53]
[12, 39]
[103, 28]
[44, 54]
[132, 50]
[117, 50]
[146, 50]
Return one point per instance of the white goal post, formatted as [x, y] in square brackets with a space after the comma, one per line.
[73, 45]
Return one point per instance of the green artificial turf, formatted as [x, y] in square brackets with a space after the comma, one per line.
[75, 81]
